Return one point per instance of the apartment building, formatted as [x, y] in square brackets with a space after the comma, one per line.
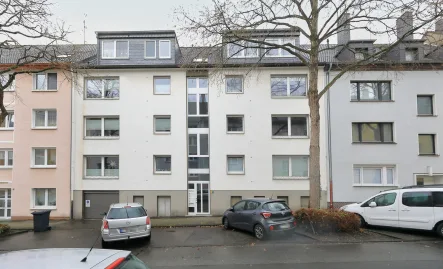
[188, 141]
[385, 127]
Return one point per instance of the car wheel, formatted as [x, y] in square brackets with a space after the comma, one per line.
[149, 237]
[259, 232]
[440, 229]
[226, 223]
[362, 222]
[105, 245]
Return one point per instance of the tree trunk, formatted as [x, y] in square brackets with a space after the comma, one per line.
[3, 111]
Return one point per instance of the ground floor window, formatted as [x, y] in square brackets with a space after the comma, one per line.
[44, 198]
[374, 175]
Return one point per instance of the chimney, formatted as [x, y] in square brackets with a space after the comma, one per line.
[439, 26]
[405, 24]
[344, 33]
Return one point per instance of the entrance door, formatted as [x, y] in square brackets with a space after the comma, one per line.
[164, 206]
[198, 198]
[5, 203]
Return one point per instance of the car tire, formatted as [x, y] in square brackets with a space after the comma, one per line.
[440, 229]
[363, 223]
[148, 239]
[226, 225]
[259, 232]
[105, 245]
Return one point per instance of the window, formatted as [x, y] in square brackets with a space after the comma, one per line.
[235, 124]
[150, 49]
[162, 85]
[115, 49]
[198, 104]
[198, 162]
[234, 84]
[289, 126]
[164, 51]
[45, 82]
[242, 49]
[6, 159]
[44, 198]
[279, 52]
[198, 145]
[240, 206]
[198, 122]
[288, 86]
[45, 118]
[252, 205]
[371, 91]
[162, 124]
[361, 53]
[425, 105]
[102, 166]
[411, 55]
[372, 132]
[44, 157]
[162, 164]
[374, 175]
[438, 199]
[417, 199]
[290, 167]
[236, 164]
[9, 121]
[386, 199]
[4, 79]
[426, 144]
[102, 127]
[97, 88]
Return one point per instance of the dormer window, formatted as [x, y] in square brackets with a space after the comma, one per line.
[279, 52]
[242, 49]
[164, 50]
[115, 49]
[411, 55]
[361, 53]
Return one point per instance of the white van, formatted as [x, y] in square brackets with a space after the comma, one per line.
[415, 207]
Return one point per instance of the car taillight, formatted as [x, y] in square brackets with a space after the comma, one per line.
[105, 224]
[115, 264]
[266, 215]
[148, 220]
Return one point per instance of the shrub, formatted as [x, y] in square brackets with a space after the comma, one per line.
[4, 228]
[327, 220]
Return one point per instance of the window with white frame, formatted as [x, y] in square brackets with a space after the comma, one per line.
[236, 164]
[151, 49]
[162, 85]
[6, 158]
[44, 157]
[198, 151]
[235, 124]
[374, 175]
[425, 105]
[102, 126]
[164, 49]
[45, 82]
[411, 54]
[288, 86]
[114, 49]
[234, 84]
[162, 124]
[102, 88]
[242, 49]
[198, 104]
[44, 198]
[4, 80]
[102, 166]
[371, 91]
[279, 52]
[9, 121]
[162, 164]
[290, 126]
[44, 118]
[290, 167]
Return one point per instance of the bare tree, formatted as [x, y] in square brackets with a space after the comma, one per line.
[234, 22]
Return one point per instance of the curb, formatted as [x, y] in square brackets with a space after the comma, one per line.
[14, 232]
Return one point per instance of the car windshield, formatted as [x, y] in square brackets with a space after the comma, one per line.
[126, 212]
[275, 206]
[133, 262]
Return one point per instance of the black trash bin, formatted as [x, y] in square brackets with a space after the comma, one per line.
[41, 220]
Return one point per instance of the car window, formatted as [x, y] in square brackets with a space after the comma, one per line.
[252, 205]
[438, 199]
[417, 199]
[385, 199]
[136, 212]
[132, 262]
[239, 206]
[275, 206]
[126, 212]
[117, 213]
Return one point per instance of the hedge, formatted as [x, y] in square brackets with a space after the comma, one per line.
[327, 220]
[4, 228]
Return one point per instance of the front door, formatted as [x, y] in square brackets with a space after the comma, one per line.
[416, 210]
[198, 198]
[5, 203]
[386, 211]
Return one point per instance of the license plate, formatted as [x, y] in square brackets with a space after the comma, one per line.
[122, 231]
[285, 226]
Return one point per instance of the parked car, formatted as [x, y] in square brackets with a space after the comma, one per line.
[125, 221]
[261, 216]
[67, 258]
[415, 207]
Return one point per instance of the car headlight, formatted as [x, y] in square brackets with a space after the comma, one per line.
[343, 207]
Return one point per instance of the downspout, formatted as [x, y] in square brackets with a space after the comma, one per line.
[328, 120]
[71, 188]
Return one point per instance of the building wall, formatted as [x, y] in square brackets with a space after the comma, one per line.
[402, 111]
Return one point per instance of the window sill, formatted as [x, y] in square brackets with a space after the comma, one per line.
[289, 97]
[150, 58]
[235, 132]
[426, 116]
[5, 167]
[290, 178]
[374, 143]
[44, 90]
[101, 138]
[429, 155]
[103, 98]
[44, 167]
[373, 185]
[44, 128]
[242, 57]
[236, 173]
[290, 137]
[115, 58]
[372, 101]
[99, 178]
[162, 93]
[43, 208]
[162, 173]
[6, 129]
[165, 58]
[226, 92]
[162, 133]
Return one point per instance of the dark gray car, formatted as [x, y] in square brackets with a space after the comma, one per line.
[261, 216]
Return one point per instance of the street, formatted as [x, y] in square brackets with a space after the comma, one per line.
[213, 247]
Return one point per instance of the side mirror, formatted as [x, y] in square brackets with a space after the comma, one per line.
[372, 204]
[104, 214]
[231, 209]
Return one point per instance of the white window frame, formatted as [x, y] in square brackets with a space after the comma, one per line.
[198, 145]
[290, 167]
[46, 119]
[102, 175]
[34, 82]
[384, 177]
[33, 165]
[242, 53]
[11, 87]
[155, 49]
[235, 172]
[432, 96]
[115, 49]
[234, 76]
[288, 86]
[169, 51]
[235, 116]
[162, 77]
[7, 121]
[102, 136]
[289, 136]
[415, 53]
[103, 79]
[162, 117]
[155, 165]
[6, 152]
[278, 41]
[46, 206]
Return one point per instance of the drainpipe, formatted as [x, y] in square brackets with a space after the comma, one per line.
[71, 168]
[328, 122]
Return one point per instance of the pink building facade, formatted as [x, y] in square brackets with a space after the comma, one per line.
[35, 144]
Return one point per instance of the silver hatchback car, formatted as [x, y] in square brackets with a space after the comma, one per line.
[125, 221]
